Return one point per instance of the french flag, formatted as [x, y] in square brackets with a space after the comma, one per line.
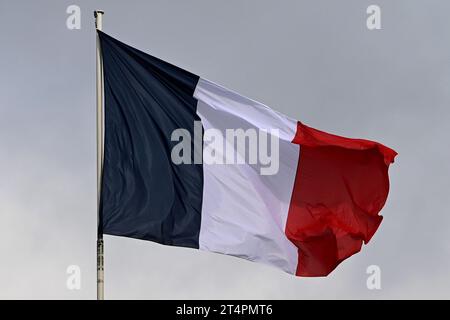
[306, 204]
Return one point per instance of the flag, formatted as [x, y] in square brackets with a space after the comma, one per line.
[190, 163]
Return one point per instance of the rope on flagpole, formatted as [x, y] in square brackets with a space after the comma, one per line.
[98, 14]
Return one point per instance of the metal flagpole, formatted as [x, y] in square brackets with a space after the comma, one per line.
[98, 14]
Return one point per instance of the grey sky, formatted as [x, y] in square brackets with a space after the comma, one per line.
[312, 60]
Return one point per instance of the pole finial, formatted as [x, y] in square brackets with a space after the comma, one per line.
[98, 14]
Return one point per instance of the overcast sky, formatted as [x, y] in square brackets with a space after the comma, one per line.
[312, 60]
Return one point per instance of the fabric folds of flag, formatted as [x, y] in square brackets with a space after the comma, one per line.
[318, 209]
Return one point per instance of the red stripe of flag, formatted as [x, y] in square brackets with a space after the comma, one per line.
[341, 185]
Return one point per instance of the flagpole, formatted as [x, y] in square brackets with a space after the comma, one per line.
[98, 14]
